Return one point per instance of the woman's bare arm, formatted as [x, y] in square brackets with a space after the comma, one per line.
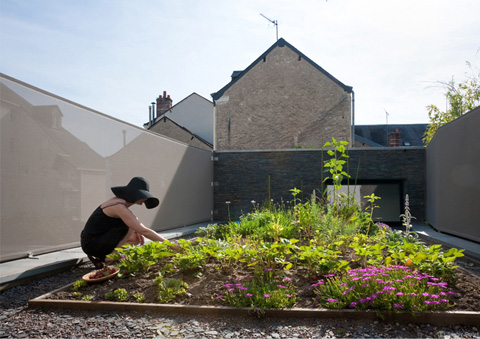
[121, 211]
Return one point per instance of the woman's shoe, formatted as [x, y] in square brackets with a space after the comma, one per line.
[96, 262]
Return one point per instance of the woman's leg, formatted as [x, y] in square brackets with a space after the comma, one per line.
[130, 239]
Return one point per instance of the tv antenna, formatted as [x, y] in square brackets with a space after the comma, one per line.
[275, 22]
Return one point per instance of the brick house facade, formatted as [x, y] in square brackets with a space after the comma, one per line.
[283, 100]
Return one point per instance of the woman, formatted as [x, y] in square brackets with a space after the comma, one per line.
[113, 225]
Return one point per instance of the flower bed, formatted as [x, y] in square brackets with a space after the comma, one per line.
[274, 276]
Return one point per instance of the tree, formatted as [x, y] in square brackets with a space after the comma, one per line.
[461, 98]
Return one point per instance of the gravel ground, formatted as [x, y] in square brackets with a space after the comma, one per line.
[18, 321]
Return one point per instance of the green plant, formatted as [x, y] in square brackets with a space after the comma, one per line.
[109, 295]
[169, 289]
[132, 259]
[228, 209]
[407, 221]
[77, 294]
[121, 294]
[371, 198]
[272, 290]
[335, 165]
[139, 297]
[87, 297]
[390, 288]
[79, 284]
[190, 261]
[369, 254]
[320, 260]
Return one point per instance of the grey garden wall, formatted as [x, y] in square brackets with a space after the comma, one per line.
[453, 170]
[59, 160]
[242, 176]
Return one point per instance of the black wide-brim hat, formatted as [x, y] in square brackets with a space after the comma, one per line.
[137, 189]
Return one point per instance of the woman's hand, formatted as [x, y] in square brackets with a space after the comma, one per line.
[176, 247]
[139, 239]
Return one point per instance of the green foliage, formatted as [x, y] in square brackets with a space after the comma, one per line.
[390, 288]
[169, 289]
[77, 294]
[335, 166]
[109, 296]
[407, 220]
[132, 259]
[139, 297]
[320, 260]
[266, 290]
[79, 284]
[461, 98]
[190, 261]
[121, 294]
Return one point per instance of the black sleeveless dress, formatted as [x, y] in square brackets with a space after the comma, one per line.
[102, 234]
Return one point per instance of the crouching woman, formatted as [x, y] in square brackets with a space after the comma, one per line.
[113, 225]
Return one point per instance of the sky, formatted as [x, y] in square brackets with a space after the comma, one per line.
[118, 56]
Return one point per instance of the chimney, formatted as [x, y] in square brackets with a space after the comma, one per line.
[164, 103]
[395, 139]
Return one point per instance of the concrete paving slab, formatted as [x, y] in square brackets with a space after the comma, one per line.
[472, 248]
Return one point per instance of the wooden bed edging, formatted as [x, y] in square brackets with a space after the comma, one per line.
[437, 318]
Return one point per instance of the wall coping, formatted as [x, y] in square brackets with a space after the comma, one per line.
[319, 149]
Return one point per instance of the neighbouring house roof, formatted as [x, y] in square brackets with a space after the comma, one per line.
[377, 135]
[236, 75]
[191, 115]
[164, 118]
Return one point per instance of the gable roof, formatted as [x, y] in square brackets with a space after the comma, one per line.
[164, 118]
[236, 75]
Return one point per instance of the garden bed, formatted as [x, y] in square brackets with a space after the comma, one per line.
[203, 290]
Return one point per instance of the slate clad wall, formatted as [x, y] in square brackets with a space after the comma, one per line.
[242, 176]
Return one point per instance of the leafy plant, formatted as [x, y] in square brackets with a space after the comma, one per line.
[391, 288]
[79, 284]
[121, 294]
[109, 295]
[169, 289]
[190, 261]
[77, 294]
[139, 297]
[335, 166]
[132, 259]
[407, 220]
[272, 290]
